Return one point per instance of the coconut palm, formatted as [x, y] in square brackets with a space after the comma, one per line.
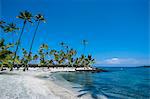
[11, 28]
[38, 18]
[43, 52]
[90, 60]
[61, 57]
[5, 54]
[25, 59]
[76, 62]
[52, 52]
[70, 55]
[58, 56]
[81, 60]
[5, 58]
[26, 17]
[50, 62]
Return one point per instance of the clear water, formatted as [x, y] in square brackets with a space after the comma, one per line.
[118, 83]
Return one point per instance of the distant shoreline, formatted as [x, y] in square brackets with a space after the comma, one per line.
[145, 66]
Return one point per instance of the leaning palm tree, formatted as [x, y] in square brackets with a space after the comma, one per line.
[84, 42]
[5, 54]
[38, 18]
[26, 16]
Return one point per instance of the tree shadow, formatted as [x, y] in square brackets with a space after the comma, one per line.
[7, 73]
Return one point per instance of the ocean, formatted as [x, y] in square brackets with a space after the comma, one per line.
[117, 83]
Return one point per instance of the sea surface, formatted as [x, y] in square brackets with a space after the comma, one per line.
[117, 83]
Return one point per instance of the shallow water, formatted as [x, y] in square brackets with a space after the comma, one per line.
[118, 83]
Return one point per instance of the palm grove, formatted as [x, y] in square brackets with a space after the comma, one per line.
[45, 56]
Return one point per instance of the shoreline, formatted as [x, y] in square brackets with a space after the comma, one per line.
[62, 68]
[32, 86]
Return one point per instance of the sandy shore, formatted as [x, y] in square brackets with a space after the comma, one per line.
[28, 85]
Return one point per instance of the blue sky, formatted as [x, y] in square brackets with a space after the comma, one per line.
[117, 30]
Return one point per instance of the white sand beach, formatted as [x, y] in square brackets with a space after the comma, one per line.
[27, 85]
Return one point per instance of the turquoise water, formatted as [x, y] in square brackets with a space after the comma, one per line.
[118, 83]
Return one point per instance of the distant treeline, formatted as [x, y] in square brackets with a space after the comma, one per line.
[45, 57]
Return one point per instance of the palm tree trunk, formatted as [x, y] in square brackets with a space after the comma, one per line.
[34, 37]
[33, 40]
[1, 67]
[13, 41]
[18, 44]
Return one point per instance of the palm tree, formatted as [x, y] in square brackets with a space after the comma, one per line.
[38, 18]
[70, 55]
[90, 60]
[84, 42]
[50, 62]
[26, 16]
[43, 52]
[5, 54]
[25, 58]
[11, 28]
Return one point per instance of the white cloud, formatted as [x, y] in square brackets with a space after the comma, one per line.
[119, 61]
[113, 61]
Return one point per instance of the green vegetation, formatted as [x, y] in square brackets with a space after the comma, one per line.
[45, 56]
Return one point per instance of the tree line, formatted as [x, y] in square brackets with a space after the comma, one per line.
[45, 56]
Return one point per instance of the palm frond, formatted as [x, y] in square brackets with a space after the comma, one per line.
[40, 17]
[25, 15]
